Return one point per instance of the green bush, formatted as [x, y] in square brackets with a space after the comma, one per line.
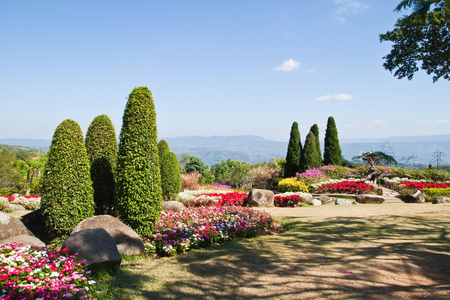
[138, 179]
[435, 192]
[101, 146]
[170, 172]
[332, 151]
[336, 172]
[406, 191]
[292, 165]
[67, 193]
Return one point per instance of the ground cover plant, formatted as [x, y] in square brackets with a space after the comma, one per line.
[203, 226]
[291, 199]
[32, 272]
[345, 187]
[208, 197]
[28, 202]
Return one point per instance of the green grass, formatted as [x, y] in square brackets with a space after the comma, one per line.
[385, 256]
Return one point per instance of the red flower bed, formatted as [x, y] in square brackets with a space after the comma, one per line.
[346, 187]
[12, 198]
[288, 201]
[423, 185]
[227, 199]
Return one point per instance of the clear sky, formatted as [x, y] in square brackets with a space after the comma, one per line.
[236, 67]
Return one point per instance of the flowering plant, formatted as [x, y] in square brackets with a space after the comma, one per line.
[346, 187]
[28, 202]
[202, 226]
[213, 197]
[292, 185]
[422, 185]
[215, 186]
[311, 176]
[32, 272]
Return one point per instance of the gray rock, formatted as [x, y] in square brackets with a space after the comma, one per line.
[127, 240]
[11, 226]
[257, 197]
[24, 239]
[175, 206]
[369, 199]
[441, 199]
[95, 246]
[417, 197]
[314, 202]
[325, 199]
[341, 201]
[17, 207]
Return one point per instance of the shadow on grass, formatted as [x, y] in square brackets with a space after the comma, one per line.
[351, 258]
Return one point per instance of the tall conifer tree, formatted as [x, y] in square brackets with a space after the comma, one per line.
[294, 150]
[310, 157]
[315, 129]
[170, 172]
[332, 152]
[138, 186]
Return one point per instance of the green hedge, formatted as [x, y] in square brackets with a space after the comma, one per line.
[170, 172]
[67, 193]
[435, 192]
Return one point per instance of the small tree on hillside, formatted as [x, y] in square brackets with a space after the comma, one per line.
[294, 150]
[310, 157]
[170, 172]
[67, 194]
[332, 153]
[101, 146]
[315, 129]
[138, 184]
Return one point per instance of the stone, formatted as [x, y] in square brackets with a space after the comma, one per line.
[24, 239]
[441, 199]
[341, 201]
[17, 207]
[369, 199]
[175, 206]
[35, 223]
[417, 197]
[325, 199]
[127, 240]
[11, 226]
[258, 197]
[95, 246]
[314, 202]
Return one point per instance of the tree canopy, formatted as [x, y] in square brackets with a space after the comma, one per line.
[421, 39]
[294, 150]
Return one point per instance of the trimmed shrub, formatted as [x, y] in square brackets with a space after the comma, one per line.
[138, 179]
[435, 192]
[332, 152]
[101, 147]
[170, 172]
[67, 193]
[310, 157]
[292, 185]
[315, 129]
[294, 150]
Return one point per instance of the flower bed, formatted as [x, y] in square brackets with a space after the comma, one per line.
[202, 226]
[31, 272]
[211, 198]
[291, 199]
[346, 187]
[423, 185]
[28, 202]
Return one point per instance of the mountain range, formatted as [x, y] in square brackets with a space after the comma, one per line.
[254, 149]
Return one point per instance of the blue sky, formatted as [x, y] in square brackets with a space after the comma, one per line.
[214, 67]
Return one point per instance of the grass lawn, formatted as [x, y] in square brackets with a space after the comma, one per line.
[386, 251]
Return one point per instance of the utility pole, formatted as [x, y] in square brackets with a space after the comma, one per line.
[387, 149]
[437, 159]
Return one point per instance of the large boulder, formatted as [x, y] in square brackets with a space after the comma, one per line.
[341, 201]
[175, 206]
[127, 240]
[314, 202]
[417, 197]
[11, 226]
[324, 199]
[258, 197]
[95, 246]
[369, 199]
[24, 239]
[441, 199]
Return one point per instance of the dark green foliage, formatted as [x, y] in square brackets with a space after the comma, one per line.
[332, 153]
[310, 157]
[294, 151]
[8, 176]
[138, 179]
[67, 193]
[170, 172]
[193, 164]
[101, 146]
[231, 172]
[315, 129]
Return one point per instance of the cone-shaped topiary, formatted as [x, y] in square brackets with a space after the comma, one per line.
[170, 172]
[332, 153]
[67, 193]
[315, 129]
[101, 146]
[310, 157]
[294, 150]
[138, 179]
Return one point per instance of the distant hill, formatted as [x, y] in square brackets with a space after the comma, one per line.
[254, 149]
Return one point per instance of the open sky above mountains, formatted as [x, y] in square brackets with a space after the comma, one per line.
[215, 68]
